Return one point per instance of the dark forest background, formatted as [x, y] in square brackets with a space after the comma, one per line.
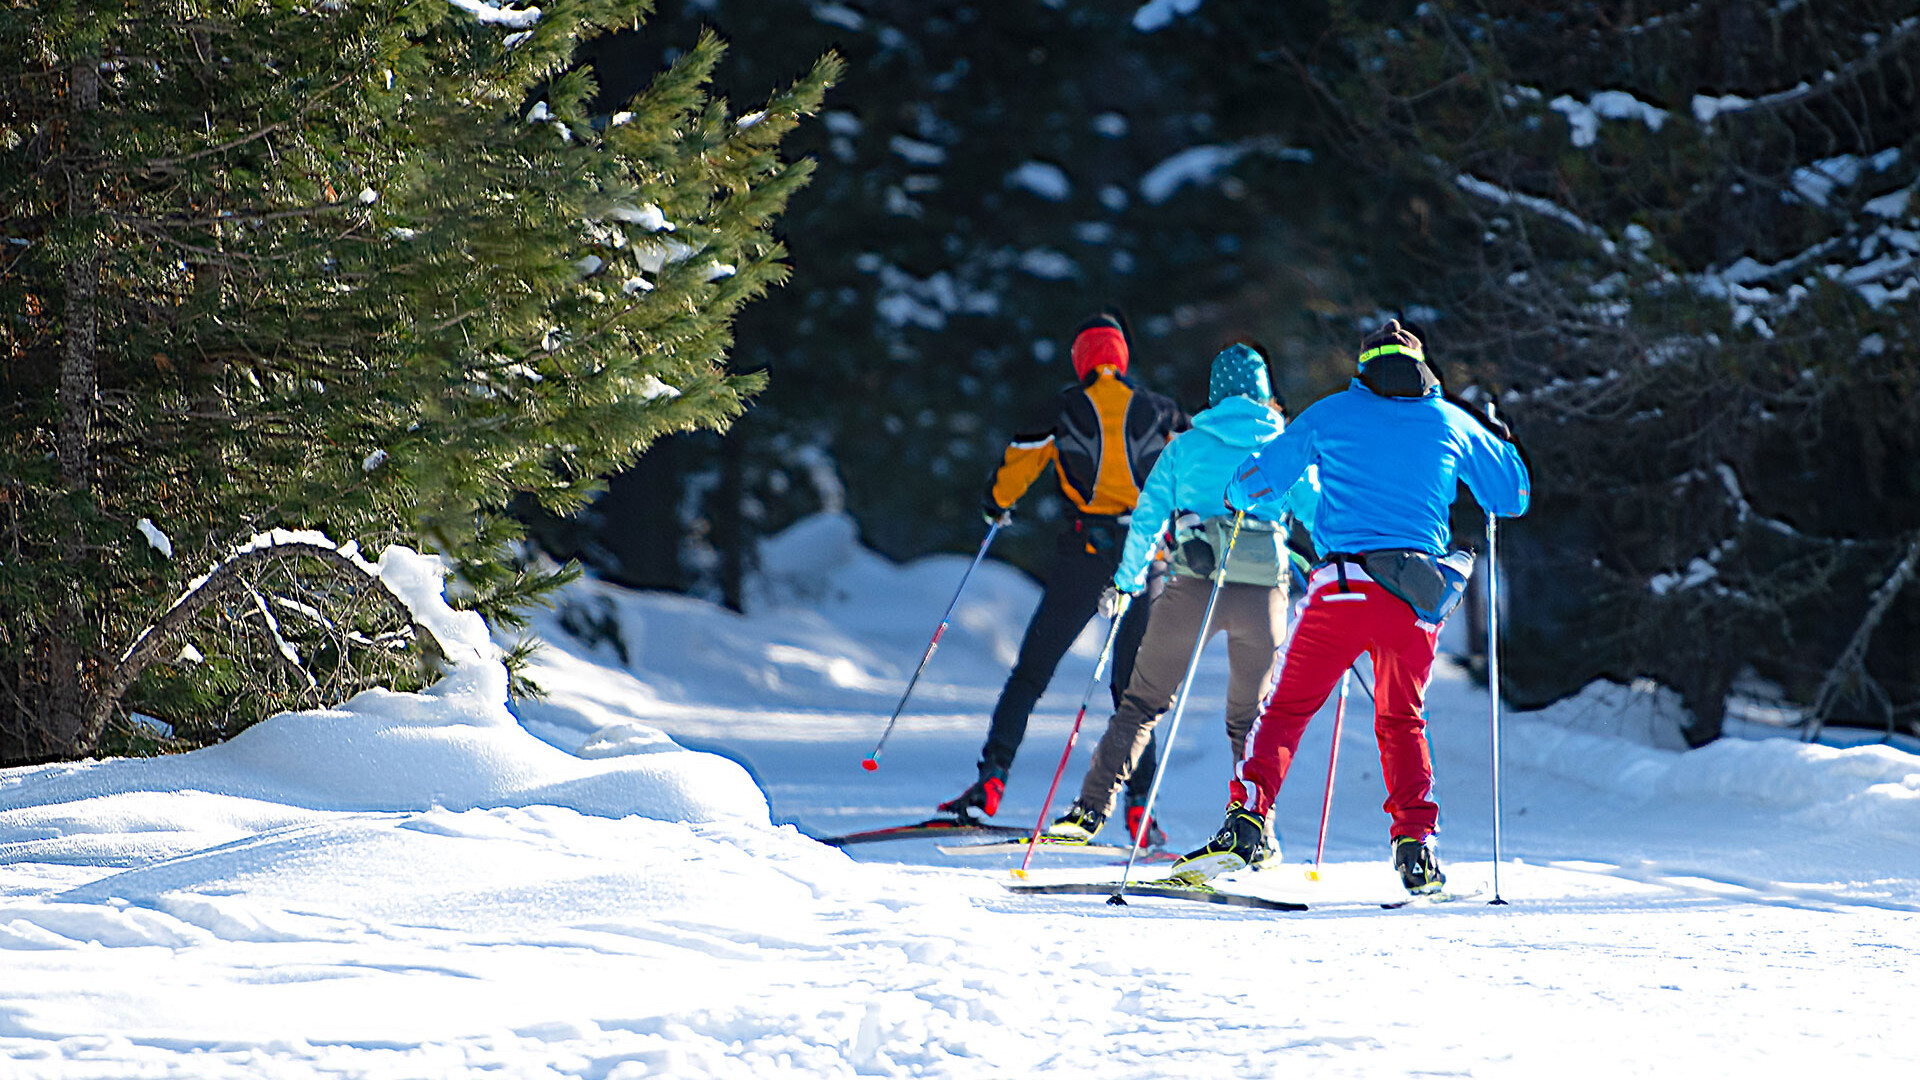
[1675, 240]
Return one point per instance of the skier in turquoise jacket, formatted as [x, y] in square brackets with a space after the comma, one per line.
[1184, 492]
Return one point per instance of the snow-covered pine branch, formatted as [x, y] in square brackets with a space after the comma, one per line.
[1708, 108]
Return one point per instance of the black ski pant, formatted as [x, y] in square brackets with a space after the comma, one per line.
[1075, 579]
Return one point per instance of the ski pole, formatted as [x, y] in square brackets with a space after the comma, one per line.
[1179, 705]
[1493, 678]
[1099, 666]
[872, 761]
[1333, 761]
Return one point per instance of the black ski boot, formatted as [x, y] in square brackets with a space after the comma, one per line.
[1419, 869]
[1232, 848]
[1269, 852]
[1078, 825]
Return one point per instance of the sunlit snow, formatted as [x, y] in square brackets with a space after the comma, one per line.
[616, 881]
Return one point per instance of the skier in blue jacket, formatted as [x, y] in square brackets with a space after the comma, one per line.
[1184, 489]
[1390, 451]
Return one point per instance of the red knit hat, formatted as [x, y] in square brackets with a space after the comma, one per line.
[1100, 342]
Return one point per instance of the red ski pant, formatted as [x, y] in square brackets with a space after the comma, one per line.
[1334, 628]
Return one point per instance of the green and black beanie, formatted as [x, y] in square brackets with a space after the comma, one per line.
[1391, 340]
[1393, 363]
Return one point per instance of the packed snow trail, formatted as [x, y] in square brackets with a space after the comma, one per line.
[417, 885]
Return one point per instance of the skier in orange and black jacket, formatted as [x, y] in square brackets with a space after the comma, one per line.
[1102, 436]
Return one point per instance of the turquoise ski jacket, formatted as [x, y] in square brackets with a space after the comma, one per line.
[1192, 475]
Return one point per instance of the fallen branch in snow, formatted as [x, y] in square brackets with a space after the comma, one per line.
[230, 576]
[1851, 668]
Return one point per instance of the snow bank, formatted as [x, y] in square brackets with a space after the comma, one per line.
[832, 623]
[454, 745]
[1625, 741]
[818, 564]
[1645, 713]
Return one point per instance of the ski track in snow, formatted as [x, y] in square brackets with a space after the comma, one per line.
[415, 886]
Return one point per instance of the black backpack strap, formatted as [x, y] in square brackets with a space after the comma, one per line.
[1339, 560]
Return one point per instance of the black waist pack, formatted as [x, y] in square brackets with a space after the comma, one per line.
[1431, 585]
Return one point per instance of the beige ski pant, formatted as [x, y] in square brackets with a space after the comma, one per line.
[1254, 618]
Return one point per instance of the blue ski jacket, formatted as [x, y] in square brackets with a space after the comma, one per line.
[1388, 468]
[1191, 475]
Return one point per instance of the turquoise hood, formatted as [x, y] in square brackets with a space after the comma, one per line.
[1192, 475]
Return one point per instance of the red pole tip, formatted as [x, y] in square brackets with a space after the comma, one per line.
[870, 765]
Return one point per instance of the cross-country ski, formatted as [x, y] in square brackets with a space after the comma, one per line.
[1016, 847]
[1163, 889]
[1446, 896]
[921, 830]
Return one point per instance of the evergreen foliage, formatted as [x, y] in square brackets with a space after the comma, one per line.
[1679, 240]
[991, 174]
[369, 268]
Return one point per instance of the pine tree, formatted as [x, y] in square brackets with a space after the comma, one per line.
[368, 269]
[1678, 239]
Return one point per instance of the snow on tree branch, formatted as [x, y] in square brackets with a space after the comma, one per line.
[1706, 109]
[1584, 117]
[492, 14]
[1544, 207]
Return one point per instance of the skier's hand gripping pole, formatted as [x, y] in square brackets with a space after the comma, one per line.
[1099, 666]
[1179, 705]
[872, 761]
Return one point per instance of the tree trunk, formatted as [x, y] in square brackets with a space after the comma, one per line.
[66, 691]
[638, 522]
[1745, 212]
[1849, 671]
[729, 519]
[78, 368]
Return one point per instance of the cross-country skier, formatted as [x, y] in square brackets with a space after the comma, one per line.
[1185, 487]
[1389, 450]
[1102, 435]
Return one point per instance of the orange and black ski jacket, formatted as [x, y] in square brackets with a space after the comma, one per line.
[1102, 437]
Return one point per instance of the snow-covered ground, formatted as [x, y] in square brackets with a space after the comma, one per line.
[431, 886]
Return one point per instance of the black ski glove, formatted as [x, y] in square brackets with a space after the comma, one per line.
[1499, 428]
[993, 513]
